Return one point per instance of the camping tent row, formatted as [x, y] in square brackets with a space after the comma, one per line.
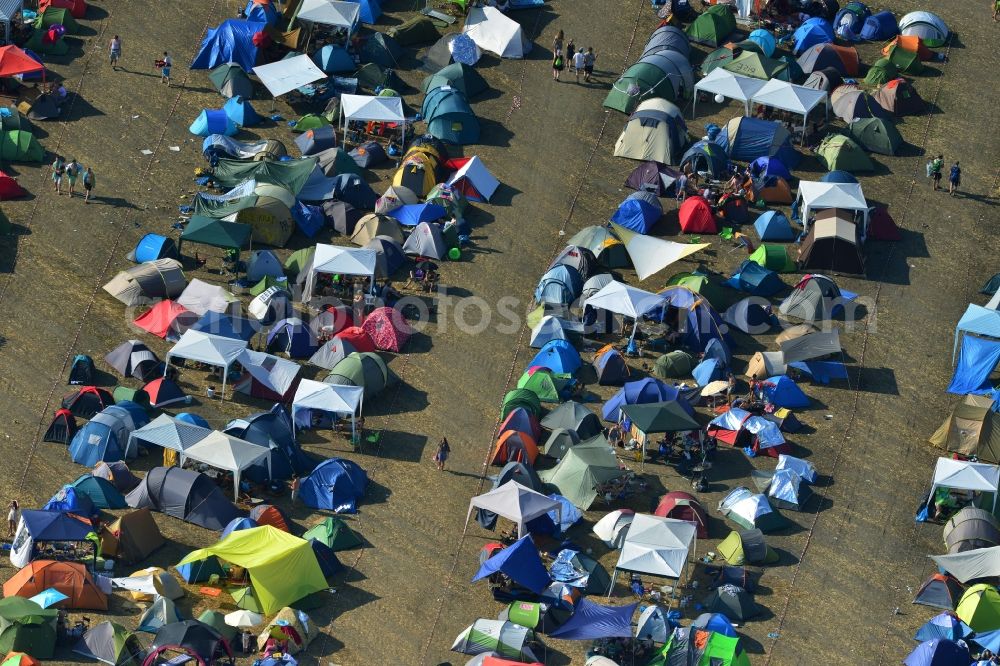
[663, 70]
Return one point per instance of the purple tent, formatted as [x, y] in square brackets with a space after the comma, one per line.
[641, 392]
[591, 621]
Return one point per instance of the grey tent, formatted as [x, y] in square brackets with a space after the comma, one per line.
[133, 358]
[162, 278]
[426, 240]
[654, 132]
[577, 257]
[814, 298]
[372, 225]
[161, 612]
[971, 528]
[559, 442]
[826, 79]
[832, 244]
[940, 591]
[573, 416]
[334, 161]
[389, 256]
[811, 346]
[342, 216]
[610, 367]
[675, 68]
[732, 601]
[519, 472]
[112, 644]
[184, 494]
[594, 284]
[668, 38]
[331, 353]
[231, 81]
[369, 154]
[217, 621]
[317, 140]
[381, 50]
[460, 76]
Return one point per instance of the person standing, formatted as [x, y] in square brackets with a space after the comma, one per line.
[937, 164]
[294, 486]
[72, 173]
[954, 178]
[89, 182]
[588, 64]
[557, 43]
[680, 187]
[116, 51]
[579, 59]
[58, 169]
[13, 518]
[441, 456]
[557, 65]
[570, 52]
[168, 62]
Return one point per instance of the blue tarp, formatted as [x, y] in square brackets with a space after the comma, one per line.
[333, 59]
[213, 121]
[68, 500]
[977, 360]
[755, 280]
[979, 321]
[814, 31]
[640, 392]
[774, 226]
[781, 391]
[232, 41]
[821, 371]
[54, 526]
[329, 564]
[521, 563]
[336, 485]
[637, 215]
[591, 621]
[559, 356]
[560, 285]
[309, 219]
[410, 215]
[241, 113]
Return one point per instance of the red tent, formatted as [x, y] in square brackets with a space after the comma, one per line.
[388, 329]
[87, 401]
[163, 391]
[696, 217]
[14, 61]
[166, 318]
[9, 188]
[683, 506]
[882, 227]
[268, 514]
[357, 336]
[78, 8]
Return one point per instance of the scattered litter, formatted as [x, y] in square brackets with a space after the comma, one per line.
[176, 149]
[773, 634]
[146, 151]
[135, 117]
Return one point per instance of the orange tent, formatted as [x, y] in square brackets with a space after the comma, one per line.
[14, 61]
[70, 578]
[774, 189]
[268, 514]
[910, 43]
[19, 659]
[514, 445]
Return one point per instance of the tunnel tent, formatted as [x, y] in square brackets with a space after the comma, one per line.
[183, 494]
[723, 82]
[457, 75]
[668, 38]
[494, 32]
[449, 116]
[969, 529]
[676, 69]
[654, 132]
[139, 285]
[365, 369]
[231, 81]
[746, 139]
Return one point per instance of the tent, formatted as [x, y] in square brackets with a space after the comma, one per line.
[655, 131]
[963, 475]
[492, 31]
[267, 554]
[610, 367]
[592, 621]
[613, 527]
[459, 76]
[817, 195]
[877, 135]
[713, 26]
[746, 139]
[339, 15]
[665, 74]
[624, 300]
[370, 10]
[558, 443]
[750, 510]
[782, 391]
[45, 527]
[239, 111]
[87, 401]
[333, 59]
[101, 492]
[639, 212]
[938, 651]
[515, 446]
[449, 116]
[162, 392]
[499, 637]
[231, 42]
[656, 546]
[668, 38]
[679, 505]
[273, 429]
[28, 628]
[677, 363]
[382, 50]
[969, 529]
[105, 436]
[132, 537]
[939, 591]
[195, 640]
[283, 76]
[706, 157]
[800, 100]
[336, 260]
[979, 608]
[653, 177]
[338, 399]
[52, 15]
[10, 188]
[20, 146]
[560, 285]
[814, 298]
[132, 358]
[978, 321]
[972, 429]
[851, 103]
[879, 27]
[582, 471]
[774, 226]
[474, 181]
[721, 81]
[553, 328]
[416, 30]
[201, 297]
[366, 108]
[841, 153]
[753, 278]
[746, 547]
[336, 485]
[520, 562]
[387, 328]
[812, 32]
[291, 336]
[335, 534]
[231, 81]
[832, 244]
[606, 247]
[699, 646]
[899, 98]
[62, 428]
[516, 503]
[183, 494]
[160, 278]
[320, 140]
[925, 25]
[110, 643]
[214, 350]
[882, 71]
[826, 79]
[844, 59]
[756, 66]
[573, 416]
[426, 239]
[732, 601]
[70, 578]
[365, 369]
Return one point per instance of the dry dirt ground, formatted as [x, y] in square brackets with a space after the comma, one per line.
[842, 591]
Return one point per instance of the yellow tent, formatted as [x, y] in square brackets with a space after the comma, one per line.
[269, 555]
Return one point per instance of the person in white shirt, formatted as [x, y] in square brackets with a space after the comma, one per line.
[13, 518]
[579, 59]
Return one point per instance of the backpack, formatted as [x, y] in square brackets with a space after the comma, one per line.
[557, 61]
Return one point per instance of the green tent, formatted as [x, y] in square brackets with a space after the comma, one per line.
[291, 175]
[220, 208]
[334, 534]
[269, 556]
[27, 627]
[246, 598]
[734, 552]
[755, 65]
[417, 30]
[677, 363]
[20, 146]
[881, 72]
[460, 76]
[720, 57]
[656, 417]
[111, 643]
[450, 198]
[905, 61]
[310, 121]
[336, 161]
[364, 369]
[372, 76]
[700, 647]
[979, 607]
[543, 384]
[217, 233]
[838, 152]
[520, 398]
[297, 261]
[792, 72]
[57, 16]
[230, 80]
[774, 257]
[217, 621]
[266, 283]
[524, 613]
[640, 82]
[36, 42]
[712, 27]
[876, 135]
[700, 284]
[582, 470]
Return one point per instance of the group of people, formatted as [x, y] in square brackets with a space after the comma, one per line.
[934, 170]
[576, 59]
[71, 172]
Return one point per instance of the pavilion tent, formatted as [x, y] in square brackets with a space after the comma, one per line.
[167, 432]
[40, 527]
[214, 350]
[333, 398]
[286, 75]
[965, 475]
[493, 31]
[334, 259]
[978, 321]
[723, 82]
[656, 546]
[344, 15]
[816, 195]
[365, 108]
[790, 97]
[227, 453]
[516, 503]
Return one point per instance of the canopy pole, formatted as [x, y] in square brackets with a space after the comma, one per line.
[236, 485]
[225, 376]
[611, 585]
[805, 121]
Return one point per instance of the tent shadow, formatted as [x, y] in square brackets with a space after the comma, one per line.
[731, 464]
[399, 445]
[407, 399]
[104, 378]
[877, 380]
[493, 133]
[897, 269]
[96, 13]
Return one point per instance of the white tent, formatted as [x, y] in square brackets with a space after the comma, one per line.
[492, 31]
[813, 345]
[614, 526]
[206, 348]
[723, 82]
[228, 453]
[790, 97]
[649, 254]
[274, 373]
[971, 564]
[364, 108]
[200, 297]
[965, 475]
[625, 300]
[516, 503]
[166, 432]
[814, 195]
[286, 75]
[325, 397]
[656, 546]
[337, 260]
[478, 176]
[330, 12]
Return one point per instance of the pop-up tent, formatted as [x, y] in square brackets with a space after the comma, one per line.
[183, 494]
[492, 31]
[214, 350]
[333, 398]
[965, 475]
[925, 25]
[733, 86]
[656, 546]
[365, 108]
[41, 527]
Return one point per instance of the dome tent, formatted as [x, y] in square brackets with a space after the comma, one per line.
[334, 59]
[459, 76]
[706, 156]
[639, 212]
[696, 216]
[814, 31]
[881, 72]
[746, 139]
[850, 102]
[335, 485]
[213, 121]
[713, 26]
[241, 113]
[449, 116]
[899, 98]
[879, 27]
[841, 153]
[655, 131]
[877, 135]
[842, 58]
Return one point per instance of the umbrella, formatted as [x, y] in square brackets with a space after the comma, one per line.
[49, 597]
[714, 388]
[244, 618]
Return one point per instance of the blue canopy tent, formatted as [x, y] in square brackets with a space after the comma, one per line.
[152, 247]
[231, 41]
[977, 320]
[755, 280]
[781, 391]
[213, 121]
[816, 30]
[774, 226]
[335, 485]
[976, 362]
[880, 27]
[241, 113]
[592, 621]
[410, 215]
[370, 10]
[641, 392]
[333, 59]
[561, 285]
[639, 212]
[521, 563]
[559, 356]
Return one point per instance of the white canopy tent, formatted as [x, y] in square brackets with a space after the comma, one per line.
[723, 82]
[965, 475]
[649, 254]
[337, 260]
[364, 108]
[325, 397]
[228, 453]
[625, 300]
[200, 297]
[166, 432]
[814, 195]
[656, 546]
[790, 97]
[339, 14]
[516, 503]
[286, 75]
[215, 350]
[492, 31]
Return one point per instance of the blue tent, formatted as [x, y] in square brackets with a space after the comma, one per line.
[715, 622]
[696, 319]
[410, 215]
[638, 213]
[561, 285]
[54, 526]
[261, 12]
[105, 437]
[154, 246]
[274, 430]
[592, 621]
[293, 337]
[213, 121]
[976, 362]
[370, 10]
[237, 524]
[706, 156]
[765, 40]
[988, 640]
[774, 226]
[755, 138]
[449, 116]
[193, 419]
[641, 392]
[102, 493]
[352, 188]
[813, 31]
[821, 371]
[848, 22]
[231, 41]
[943, 625]
[201, 570]
[755, 280]
[336, 485]
[329, 564]
[68, 500]
[719, 350]
[228, 326]
[559, 356]
[880, 27]
[707, 371]
[769, 166]
[838, 176]
[241, 113]
[520, 562]
[781, 391]
[333, 59]
[309, 219]
[938, 652]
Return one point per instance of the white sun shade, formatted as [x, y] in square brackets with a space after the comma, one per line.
[368, 107]
[330, 12]
[656, 546]
[625, 300]
[286, 75]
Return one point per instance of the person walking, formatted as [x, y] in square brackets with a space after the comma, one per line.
[557, 65]
[588, 64]
[13, 518]
[579, 59]
[557, 43]
[954, 178]
[89, 181]
[570, 52]
[58, 169]
[72, 173]
[116, 51]
[937, 164]
[168, 62]
[441, 456]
